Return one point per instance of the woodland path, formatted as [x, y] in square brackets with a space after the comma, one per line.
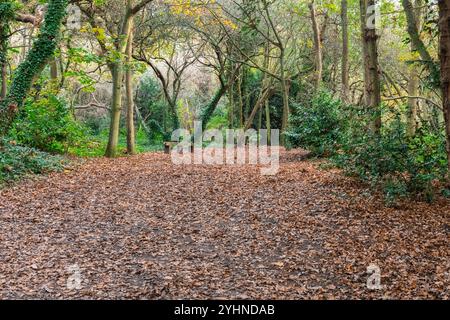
[142, 228]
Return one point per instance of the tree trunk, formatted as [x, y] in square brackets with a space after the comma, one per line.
[53, 69]
[285, 93]
[413, 32]
[413, 102]
[260, 118]
[413, 82]
[317, 47]
[231, 106]
[265, 92]
[116, 108]
[117, 75]
[268, 126]
[4, 88]
[35, 61]
[444, 53]
[131, 140]
[285, 120]
[241, 102]
[5, 33]
[372, 86]
[345, 61]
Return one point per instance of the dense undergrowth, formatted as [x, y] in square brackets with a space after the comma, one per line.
[401, 166]
[19, 161]
[46, 132]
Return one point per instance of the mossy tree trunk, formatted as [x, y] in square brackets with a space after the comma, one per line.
[7, 12]
[117, 69]
[372, 86]
[345, 52]
[37, 58]
[131, 139]
[444, 28]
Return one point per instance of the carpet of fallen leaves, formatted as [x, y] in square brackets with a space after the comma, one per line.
[142, 228]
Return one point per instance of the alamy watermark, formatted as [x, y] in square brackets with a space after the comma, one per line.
[374, 279]
[373, 16]
[73, 17]
[232, 150]
[74, 279]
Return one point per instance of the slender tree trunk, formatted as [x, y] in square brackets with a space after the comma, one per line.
[231, 105]
[265, 92]
[413, 103]
[5, 33]
[260, 118]
[285, 93]
[116, 108]
[174, 114]
[268, 126]
[345, 61]
[364, 51]
[131, 140]
[372, 76]
[141, 120]
[413, 32]
[444, 53]
[117, 75]
[4, 89]
[241, 101]
[317, 47]
[53, 69]
[413, 82]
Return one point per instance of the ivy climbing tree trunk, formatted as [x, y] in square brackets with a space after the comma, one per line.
[6, 13]
[444, 29]
[35, 61]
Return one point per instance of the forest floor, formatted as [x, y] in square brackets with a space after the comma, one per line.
[140, 227]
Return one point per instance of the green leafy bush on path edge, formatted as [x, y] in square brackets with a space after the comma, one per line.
[19, 161]
[400, 166]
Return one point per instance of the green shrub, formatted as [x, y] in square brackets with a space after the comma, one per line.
[401, 166]
[46, 123]
[96, 123]
[219, 119]
[17, 161]
[316, 125]
[398, 165]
